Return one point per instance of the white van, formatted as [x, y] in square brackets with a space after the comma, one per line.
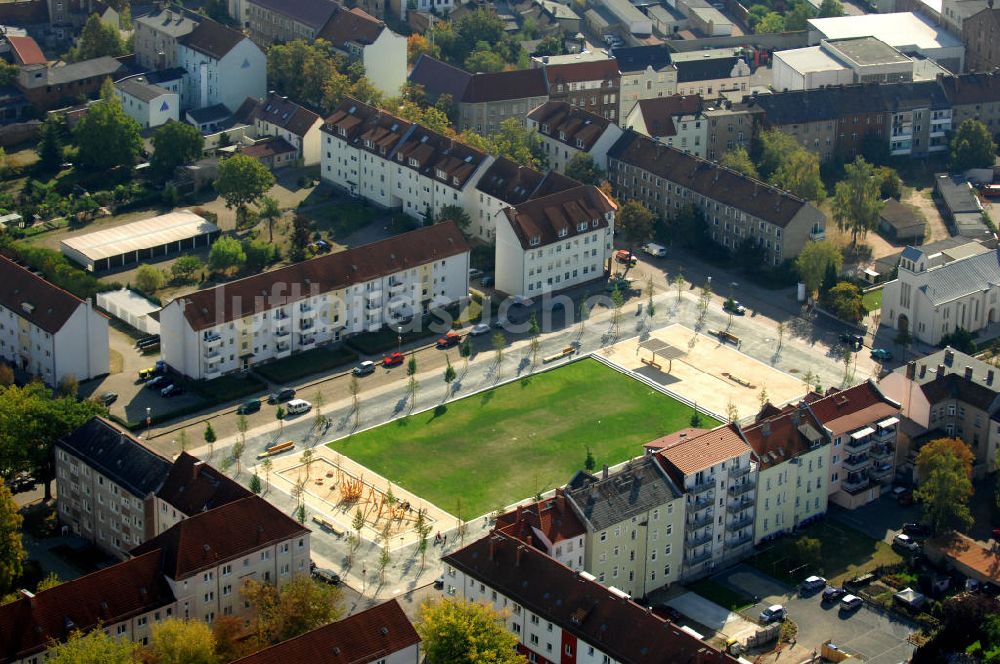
[654, 249]
[298, 406]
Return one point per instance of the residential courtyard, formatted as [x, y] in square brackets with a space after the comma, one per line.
[517, 440]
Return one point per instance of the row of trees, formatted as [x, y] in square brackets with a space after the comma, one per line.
[765, 16]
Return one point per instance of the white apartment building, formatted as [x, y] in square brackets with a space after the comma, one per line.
[934, 294]
[397, 164]
[566, 130]
[559, 615]
[550, 525]
[148, 104]
[647, 73]
[555, 242]
[278, 117]
[714, 470]
[791, 451]
[359, 35]
[223, 67]
[676, 121]
[47, 332]
[634, 526]
[272, 315]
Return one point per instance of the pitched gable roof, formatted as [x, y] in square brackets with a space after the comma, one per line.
[553, 518]
[286, 114]
[976, 88]
[26, 51]
[658, 114]
[576, 127]
[845, 410]
[213, 306]
[213, 39]
[313, 13]
[703, 451]
[634, 489]
[709, 69]
[117, 456]
[513, 183]
[576, 72]
[438, 77]
[34, 299]
[224, 533]
[783, 436]
[639, 58]
[504, 85]
[551, 218]
[351, 26]
[192, 486]
[622, 629]
[29, 625]
[367, 636]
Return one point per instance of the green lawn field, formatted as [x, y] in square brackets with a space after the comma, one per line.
[509, 443]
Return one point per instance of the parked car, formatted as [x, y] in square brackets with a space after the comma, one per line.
[326, 576]
[486, 281]
[916, 530]
[393, 359]
[319, 246]
[812, 584]
[479, 329]
[298, 406]
[734, 307]
[157, 382]
[108, 398]
[146, 374]
[832, 594]
[281, 395]
[850, 603]
[625, 257]
[519, 301]
[248, 407]
[171, 391]
[773, 613]
[474, 273]
[620, 284]
[22, 482]
[904, 541]
[855, 341]
[881, 354]
[654, 249]
[364, 368]
[449, 340]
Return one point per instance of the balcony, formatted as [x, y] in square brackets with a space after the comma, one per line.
[281, 332]
[855, 484]
[212, 353]
[374, 294]
[738, 541]
[701, 521]
[280, 314]
[817, 235]
[697, 559]
[698, 505]
[742, 488]
[889, 433]
[395, 288]
[701, 488]
[307, 311]
[213, 370]
[282, 350]
[737, 506]
[698, 540]
[883, 452]
[861, 443]
[213, 340]
[740, 523]
[739, 471]
[307, 342]
[881, 472]
[856, 462]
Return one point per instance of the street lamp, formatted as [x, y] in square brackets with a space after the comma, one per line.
[149, 420]
[732, 288]
[399, 338]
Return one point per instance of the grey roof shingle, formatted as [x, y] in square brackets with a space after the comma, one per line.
[962, 277]
[314, 13]
[139, 88]
[117, 456]
[635, 489]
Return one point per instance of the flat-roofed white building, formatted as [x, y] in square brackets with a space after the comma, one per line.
[48, 332]
[299, 307]
[145, 240]
[841, 62]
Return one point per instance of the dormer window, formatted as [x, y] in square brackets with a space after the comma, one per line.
[441, 174]
[582, 227]
[455, 181]
[535, 240]
[399, 157]
[562, 136]
[369, 144]
[342, 131]
[579, 143]
[593, 223]
[413, 162]
[563, 232]
[545, 128]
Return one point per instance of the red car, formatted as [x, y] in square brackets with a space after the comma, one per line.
[393, 360]
[625, 257]
[449, 340]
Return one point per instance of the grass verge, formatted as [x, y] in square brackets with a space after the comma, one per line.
[304, 364]
[724, 596]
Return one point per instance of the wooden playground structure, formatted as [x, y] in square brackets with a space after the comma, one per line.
[335, 489]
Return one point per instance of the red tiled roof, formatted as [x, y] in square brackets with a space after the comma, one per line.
[224, 533]
[560, 119]
[353, 25]
[28, 625]
[779, 438]
[658, 114]
[849, 409]
[269, 147]
[26, 51]
[545, 217]
[553, 518]
[627, 632]
[674, 438]
[213, 39]
[363, 637]
[700, 452]
[35, 299]
[972, 554]
[326, 273]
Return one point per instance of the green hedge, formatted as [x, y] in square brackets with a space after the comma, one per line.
[307, 363]
[373, 343]
[226, 388]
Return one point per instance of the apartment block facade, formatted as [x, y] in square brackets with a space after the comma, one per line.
[566, 131]
[223, 67]
[555, 242]
[275, 314]
[593, 86]
[647, 73]
[737, 209]
[47, 332]
[504, 184]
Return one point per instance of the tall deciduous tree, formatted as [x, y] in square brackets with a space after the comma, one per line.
[582, 168]
[95, 647]
[11, 547]
[738, 159]
[454, 213]
[775, 147]
[856, 201]
[945, 470]
[226, 254]
[97, 39]
[831, 8]
[815, 259]
[270, 212]
[635, 223]
[177, 641]
[973, 146]
[302, 70]
[799, 174]
[242, 180]
[298, 606]
[149, 279]
[175, 144]
[460, 632]
[106, 137]
[771, 22]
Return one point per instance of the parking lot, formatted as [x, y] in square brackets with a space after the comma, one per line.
[877, 638]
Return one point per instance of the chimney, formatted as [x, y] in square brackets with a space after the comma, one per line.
[560, 501]
[520, 512]
[493, 547]
[968, 373]
[923, 370]
[766, 429]
[604, 473]
[949, 356]
[989, 377]
[196, 469]
[517, 555]
[940, 372]
[911, 370]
